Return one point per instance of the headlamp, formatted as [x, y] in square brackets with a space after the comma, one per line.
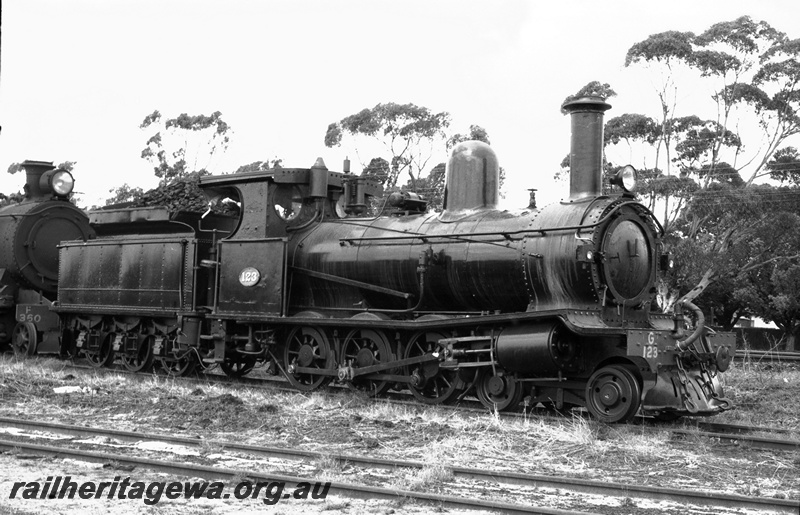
[58, 181]
[625, 179]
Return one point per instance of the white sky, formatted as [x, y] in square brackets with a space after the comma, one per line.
[77, 77]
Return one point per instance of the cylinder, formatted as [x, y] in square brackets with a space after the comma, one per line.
[538, 349]
[586, 146]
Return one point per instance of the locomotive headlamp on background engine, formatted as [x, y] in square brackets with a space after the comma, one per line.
[625, 179]
[58, 181]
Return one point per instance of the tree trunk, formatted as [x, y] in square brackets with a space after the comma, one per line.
[792, 337]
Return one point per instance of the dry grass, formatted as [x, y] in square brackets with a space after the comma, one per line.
[351, 422]
[329, 468]
[764, 395]
[430, 478]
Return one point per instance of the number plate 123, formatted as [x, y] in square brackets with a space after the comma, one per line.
[650, 351]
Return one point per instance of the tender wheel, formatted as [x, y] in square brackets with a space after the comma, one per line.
[238, 365]
[365, 348]
[435, 386]
[141, 360]
[498, 392]
[613, 394]
[179, 367]
[24, 339]
[104, 356]
[307, 347]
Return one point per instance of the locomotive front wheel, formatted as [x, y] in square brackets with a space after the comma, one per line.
[142, 359]
[238, 365]
[366, 348]
[498, 392]
[436, 386]
[24, 339]
[104, 356]
[613, 394]
[307, 347]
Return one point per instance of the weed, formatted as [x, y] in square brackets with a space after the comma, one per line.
[329, 467]
[427, 478]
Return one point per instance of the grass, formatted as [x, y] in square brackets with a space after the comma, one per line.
[430, 478]
[764, 394]
[342, 421]
[329, 468]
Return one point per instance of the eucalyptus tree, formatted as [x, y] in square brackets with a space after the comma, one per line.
[184, 144]
[410, 135]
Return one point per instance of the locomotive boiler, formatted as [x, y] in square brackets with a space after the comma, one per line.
[31, 231]
[555, 305]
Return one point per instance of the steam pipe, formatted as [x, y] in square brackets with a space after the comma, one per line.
[699, 327]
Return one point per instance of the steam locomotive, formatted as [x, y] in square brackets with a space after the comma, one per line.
[554, 304]
[31, 232]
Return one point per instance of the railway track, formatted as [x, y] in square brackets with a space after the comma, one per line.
[729, 433]
[558, 484]
[345, 489]
[767, 356]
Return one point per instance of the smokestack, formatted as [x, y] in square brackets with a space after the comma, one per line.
[586, 146]
[33, 172]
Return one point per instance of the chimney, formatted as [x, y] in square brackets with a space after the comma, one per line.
[586, 146]
[34, 171]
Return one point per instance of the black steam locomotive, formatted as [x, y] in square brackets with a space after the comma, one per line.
[31, 233]
[554, 303]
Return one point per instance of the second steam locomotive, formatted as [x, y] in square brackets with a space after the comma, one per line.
[556, 303]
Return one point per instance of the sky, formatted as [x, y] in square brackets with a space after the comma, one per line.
[78, 77]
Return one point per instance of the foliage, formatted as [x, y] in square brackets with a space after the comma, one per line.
[408, 132]
[124, 194]
[665, 48]
[11, 199]
[175, 150]
[378, 169]
[631, 128]
[176, 147]
[750, 237]
[66, 165]
[592, 89]
[744, 57]
[411, 134]
[260, 166]
[744, 234]
[785, 166]
[431, 187]
[476, 133]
